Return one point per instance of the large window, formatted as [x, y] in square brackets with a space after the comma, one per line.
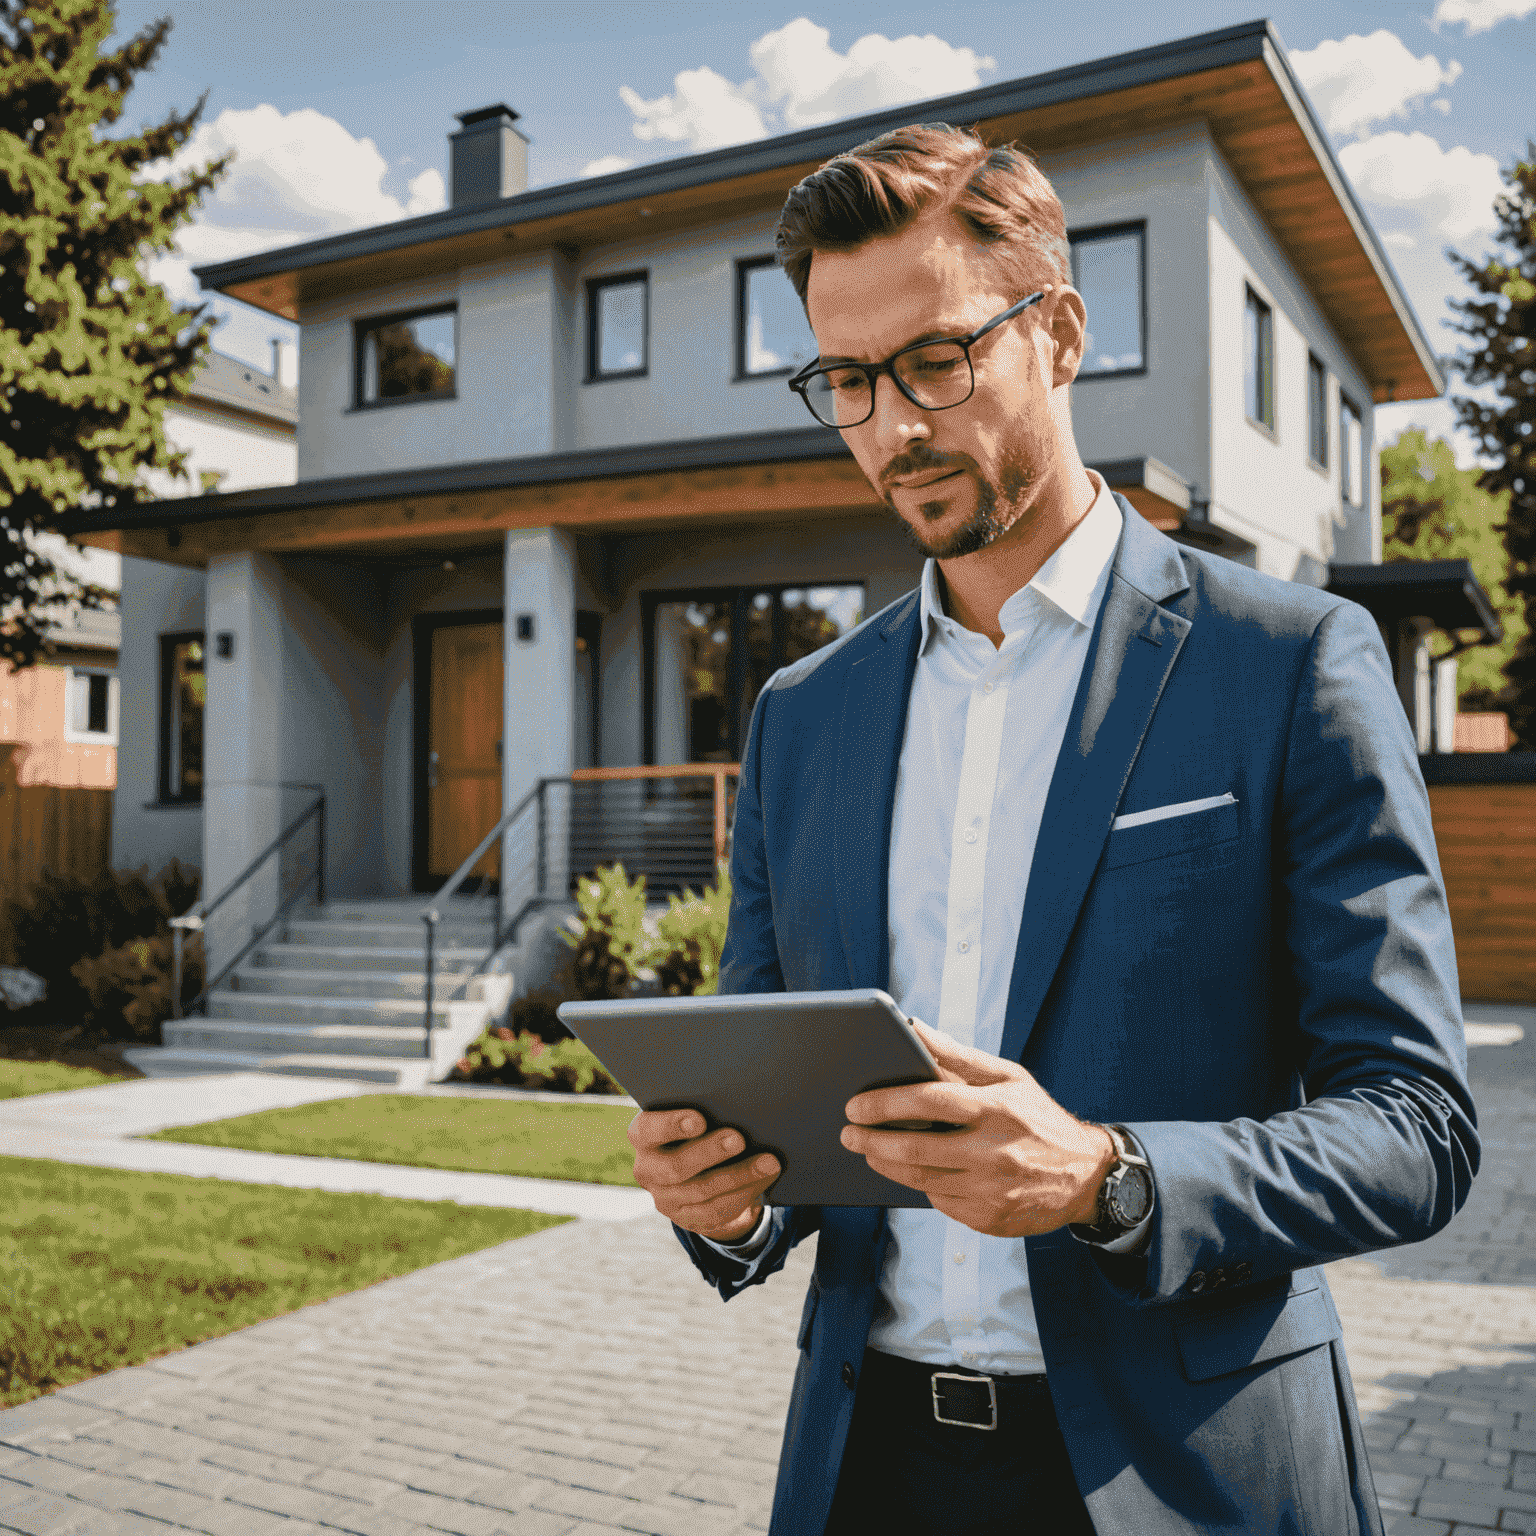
[1109, 270]
[618, 324]
[1351, 452]
[1258, 361]
[90, 707]
[772, 334]
[709, 652]
[1317, 412]
[183, 697]
[406, 357]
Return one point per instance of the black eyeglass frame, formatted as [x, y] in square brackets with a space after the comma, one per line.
[872, 371]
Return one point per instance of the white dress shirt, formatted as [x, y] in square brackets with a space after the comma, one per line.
[984, 728]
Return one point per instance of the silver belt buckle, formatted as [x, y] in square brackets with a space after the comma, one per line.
[939, 1376]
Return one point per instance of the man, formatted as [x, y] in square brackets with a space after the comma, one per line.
[1142, 834]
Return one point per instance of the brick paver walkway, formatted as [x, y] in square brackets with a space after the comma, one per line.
[585, 1380]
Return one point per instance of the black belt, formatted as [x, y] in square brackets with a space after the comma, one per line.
[966, 1399]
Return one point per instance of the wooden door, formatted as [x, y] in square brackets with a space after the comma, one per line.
[464, 743]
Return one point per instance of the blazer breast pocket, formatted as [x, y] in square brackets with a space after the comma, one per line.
[1211, 833]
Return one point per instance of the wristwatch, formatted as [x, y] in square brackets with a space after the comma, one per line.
[1125, 1197]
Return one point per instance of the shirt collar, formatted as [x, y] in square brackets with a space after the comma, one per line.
[1072, 579]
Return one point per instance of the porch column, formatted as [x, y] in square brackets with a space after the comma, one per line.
[538, 711]
[242, 741]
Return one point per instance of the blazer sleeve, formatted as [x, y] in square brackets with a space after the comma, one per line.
[1385, 1147]
[750, 963]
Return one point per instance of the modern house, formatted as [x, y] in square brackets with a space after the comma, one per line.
[555, 506]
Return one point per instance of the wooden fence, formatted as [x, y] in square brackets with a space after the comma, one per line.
[51, 826]
[1486, 834]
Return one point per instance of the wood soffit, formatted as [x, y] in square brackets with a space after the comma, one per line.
[1264, 132]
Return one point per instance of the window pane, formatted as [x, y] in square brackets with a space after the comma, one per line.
[1317, 411]
[1107, 272]
[620, 327]
[184, 734]
[1353, 452]
[693, 670]
[96, 687]
[413, 356]
[777, 338]
[1257, 361]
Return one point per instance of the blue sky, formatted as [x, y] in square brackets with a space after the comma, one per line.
[340, 112]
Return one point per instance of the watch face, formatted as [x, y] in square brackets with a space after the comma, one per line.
[1132, 1198]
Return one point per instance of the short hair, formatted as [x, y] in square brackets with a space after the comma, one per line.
[998, 194]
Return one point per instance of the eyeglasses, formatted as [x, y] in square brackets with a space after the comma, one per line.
[933, 375]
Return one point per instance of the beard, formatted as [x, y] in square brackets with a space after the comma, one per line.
[999, 504]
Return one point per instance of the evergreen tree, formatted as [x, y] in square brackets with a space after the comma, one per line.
[1499, 323]
[90, 351]
[1431, 510]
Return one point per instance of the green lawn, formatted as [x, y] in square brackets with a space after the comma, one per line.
[20, 1078]
[585, 1142]
[101, 1268]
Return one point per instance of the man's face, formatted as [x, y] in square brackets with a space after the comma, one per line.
[961, 478]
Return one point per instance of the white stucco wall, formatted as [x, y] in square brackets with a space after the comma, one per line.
[1261, 486]
[245, 453]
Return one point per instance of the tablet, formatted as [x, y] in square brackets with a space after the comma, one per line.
[779, 1066]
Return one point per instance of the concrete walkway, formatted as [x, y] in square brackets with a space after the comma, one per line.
[585, 1380]
[97, 1127]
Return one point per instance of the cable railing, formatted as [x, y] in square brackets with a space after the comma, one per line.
[235, 922]
[670, 824]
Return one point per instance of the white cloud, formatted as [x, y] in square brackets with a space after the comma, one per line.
[1358, 81]
[1449, 193]
[1479, 15]
[606, 165]
[800, 80]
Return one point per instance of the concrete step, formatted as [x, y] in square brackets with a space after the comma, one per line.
[258, 1037]
[389, 985]
[398, 909]
[339, 957]
[306, 1010]
[382, 935]
[176, 1061]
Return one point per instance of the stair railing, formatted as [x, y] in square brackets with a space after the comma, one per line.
[195, 919]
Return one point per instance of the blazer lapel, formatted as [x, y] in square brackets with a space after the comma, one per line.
[874, 722]
[1135, 645]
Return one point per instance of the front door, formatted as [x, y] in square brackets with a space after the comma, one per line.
[463, 747]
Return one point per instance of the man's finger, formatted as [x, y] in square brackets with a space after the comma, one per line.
[976, 1068]
[940, 1152]
[714, 1199]
[952, 1103]
[672, 1164]
[661, 1127]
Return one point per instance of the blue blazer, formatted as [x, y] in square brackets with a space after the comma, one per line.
[1264, 993]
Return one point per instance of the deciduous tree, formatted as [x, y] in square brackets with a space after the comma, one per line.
[91, 352]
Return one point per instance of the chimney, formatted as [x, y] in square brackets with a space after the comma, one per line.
[487, 157]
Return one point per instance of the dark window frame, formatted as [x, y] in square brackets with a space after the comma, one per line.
[1351, 495]
[738, 597]
[361, 327]
[1266, 343]
[742, 374]
[595, 286]
[168, 644]
[1095, 232]
[1317, 412]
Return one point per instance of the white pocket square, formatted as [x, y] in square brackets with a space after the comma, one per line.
[1163, 812]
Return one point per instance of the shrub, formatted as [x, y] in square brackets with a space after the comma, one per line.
[524, 1061]
[609, 938]
[129, 988]
[690, 935]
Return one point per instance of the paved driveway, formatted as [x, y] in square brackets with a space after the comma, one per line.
[585, 1380]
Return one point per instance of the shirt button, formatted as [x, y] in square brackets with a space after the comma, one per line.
[988, 687]
[963, 946]
[959, 1258]
[970, 835]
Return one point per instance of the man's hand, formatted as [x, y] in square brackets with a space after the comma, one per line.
[1018, 1165]
[680, 1166]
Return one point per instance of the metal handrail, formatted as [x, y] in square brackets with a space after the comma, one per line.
[194, 919]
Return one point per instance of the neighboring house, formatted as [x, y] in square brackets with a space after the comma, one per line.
[556, 507]
[60, 717]
[238, 428]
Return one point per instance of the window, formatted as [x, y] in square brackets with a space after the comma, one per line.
[618, 321]
[406, 357]
[1351, 452]
[90, 707]
[708, 654]
[1258, 362]
[1109, 270]
[183, 696]
[772, 334]
[1317, 412]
